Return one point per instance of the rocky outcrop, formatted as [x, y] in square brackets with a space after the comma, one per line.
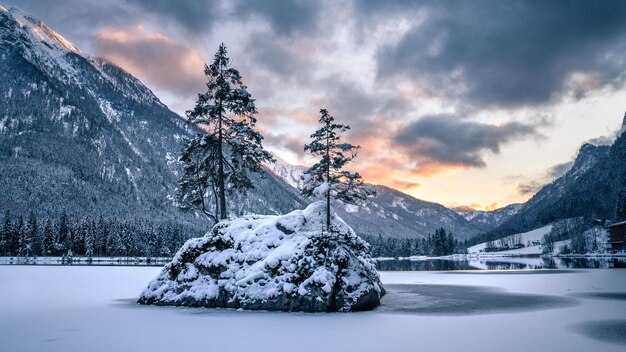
[284, 263]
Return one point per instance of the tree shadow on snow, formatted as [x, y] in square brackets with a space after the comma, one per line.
[612, 331]
[516, 272]
[613, 296]
[464, 300]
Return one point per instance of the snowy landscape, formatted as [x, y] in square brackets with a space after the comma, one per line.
[512, 311]
[312, 175]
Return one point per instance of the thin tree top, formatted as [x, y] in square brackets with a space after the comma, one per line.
[327, 176]
[226, 96]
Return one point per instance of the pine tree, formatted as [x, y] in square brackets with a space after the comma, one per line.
[152, 243]
[78, 234]
[115, 247]
[199, 176]
[96, 237]
[63, 235]
[161, 241]
[326, 177]
[27, 245]
[103, 237]
[621, 203]
[450, 245]
[17, 236]
[5, 236]
[220, 160]
[48, 248]
[128, 243]
[90, 240]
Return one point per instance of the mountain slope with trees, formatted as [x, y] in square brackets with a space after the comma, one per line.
[487, 220]
[589, 189]
[390, 213]
[80, 136]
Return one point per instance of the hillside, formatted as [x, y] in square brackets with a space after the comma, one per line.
[588, 189]
[525, 238]
[80, 134]
[390, 213]
[488, 220]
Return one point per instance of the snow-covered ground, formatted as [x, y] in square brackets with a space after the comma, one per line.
[526, 237]
[55, 308]
[154, 261]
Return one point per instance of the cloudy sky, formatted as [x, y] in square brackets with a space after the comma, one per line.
[474, 103]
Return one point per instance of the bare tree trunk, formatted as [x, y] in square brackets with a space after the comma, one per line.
[327, 180]
[328, 210]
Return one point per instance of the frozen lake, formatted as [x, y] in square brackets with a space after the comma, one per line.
[91, 308]
[500, 263]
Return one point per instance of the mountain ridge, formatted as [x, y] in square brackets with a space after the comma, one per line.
[489, 219]
[588, 189]
[81, 135]
[399, 214]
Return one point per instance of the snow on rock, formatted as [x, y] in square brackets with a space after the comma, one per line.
[265, 262]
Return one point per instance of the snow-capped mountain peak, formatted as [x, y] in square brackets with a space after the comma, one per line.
[61, 59]
[488, 219]
[588, 189]
[39, 43]
[390, 212]
[291, 174]
[81, 135]
[48, 37]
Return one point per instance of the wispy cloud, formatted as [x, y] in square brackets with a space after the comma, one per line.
[438, 142]
[154, 58]
[529, 187]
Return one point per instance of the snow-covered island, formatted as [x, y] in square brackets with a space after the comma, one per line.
[285, 262]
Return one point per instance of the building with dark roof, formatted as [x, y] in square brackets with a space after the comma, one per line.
[617, 235]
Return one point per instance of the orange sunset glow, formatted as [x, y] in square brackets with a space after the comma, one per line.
[428, 122]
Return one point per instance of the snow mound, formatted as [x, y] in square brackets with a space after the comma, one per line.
[283, 262]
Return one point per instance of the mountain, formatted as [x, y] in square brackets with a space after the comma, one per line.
[291, 174]
[589, 189]
[80, 134]
[390, 213]
[488, 220]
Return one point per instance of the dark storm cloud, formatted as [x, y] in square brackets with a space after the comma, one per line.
[508, 53]
[278, 58]
[77, 17]
[446, 140]
[286, 17]
[530, 187]
[558, 170]
[291, 142]
[348, 101]
[551, 174]
[193, 15]
[197, 17]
